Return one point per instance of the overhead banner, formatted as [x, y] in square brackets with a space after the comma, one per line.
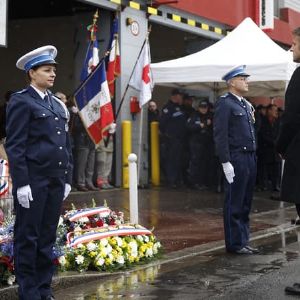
[3, 21]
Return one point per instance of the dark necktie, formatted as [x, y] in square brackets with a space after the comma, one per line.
[47, 100]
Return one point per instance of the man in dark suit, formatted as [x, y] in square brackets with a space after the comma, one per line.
[40, 159]
[234, 137]
[288, 143]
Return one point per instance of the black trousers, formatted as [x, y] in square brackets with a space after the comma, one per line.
[34, 237]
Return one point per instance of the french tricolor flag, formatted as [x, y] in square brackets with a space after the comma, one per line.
[94, 103]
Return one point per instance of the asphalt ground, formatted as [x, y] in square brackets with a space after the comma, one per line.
[190, 227]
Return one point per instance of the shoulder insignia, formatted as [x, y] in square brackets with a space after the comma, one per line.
[224, 96]
[21, 92]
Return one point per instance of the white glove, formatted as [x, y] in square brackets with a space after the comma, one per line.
[24, 195]
[228, 171]
[67, 190]
[112, 128]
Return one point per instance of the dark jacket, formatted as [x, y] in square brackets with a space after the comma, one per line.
[172, 122]
[197, 133]
[267, 137]
[233, 127]
[288, 143]
[37, 139]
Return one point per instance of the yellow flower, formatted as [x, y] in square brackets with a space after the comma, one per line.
[108, 261]
[93, 254]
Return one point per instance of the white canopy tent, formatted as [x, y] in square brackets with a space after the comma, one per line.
[270, 66]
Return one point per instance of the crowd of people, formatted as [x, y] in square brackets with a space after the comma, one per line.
[187, 148]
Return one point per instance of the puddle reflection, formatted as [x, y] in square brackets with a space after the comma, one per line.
[126, 286]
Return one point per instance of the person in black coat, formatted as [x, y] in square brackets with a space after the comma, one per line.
[267, 135]
[39, 154]
[288, 143]
[200, 133]
[172, 126]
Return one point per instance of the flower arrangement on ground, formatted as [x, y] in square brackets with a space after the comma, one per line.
[95, 238]
[98, 239]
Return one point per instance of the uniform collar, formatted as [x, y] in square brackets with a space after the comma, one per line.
[238, 97]
[40, 93]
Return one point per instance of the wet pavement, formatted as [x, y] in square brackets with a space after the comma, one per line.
[195, 266]
[180, 218]
[213, 275]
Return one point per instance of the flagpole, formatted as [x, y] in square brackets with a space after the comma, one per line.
[127, 87]
[140, 144]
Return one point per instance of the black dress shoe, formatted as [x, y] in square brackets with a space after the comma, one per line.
[292, 290]
[49, 297]
[254, 250]
[91, 187]
[243, 251]
[82, 188]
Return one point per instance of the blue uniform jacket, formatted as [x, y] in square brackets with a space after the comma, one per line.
[233, 127]
[37, 138]
[172, 122]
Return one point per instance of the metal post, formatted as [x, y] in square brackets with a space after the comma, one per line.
[126, 150]
[155, 159]
[133, 190]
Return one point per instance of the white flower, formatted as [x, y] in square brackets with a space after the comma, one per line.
[134, 253]
[108, 249]
[103, 242]
[111, 257]
[62, 260]
[149, 252]
[120, 260]
[80, 246]
[118, 222]
[11, 279]
[119, 241]
[83, 220]
[139, 238]
[60, 221]
[79, 259]
[133, 246]
[91, 246]
[146, 239]
[77, 228]
[100, 261]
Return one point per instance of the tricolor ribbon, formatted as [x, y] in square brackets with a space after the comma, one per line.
[102, 211]
[105, 233]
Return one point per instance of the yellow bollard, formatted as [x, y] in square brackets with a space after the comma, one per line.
[155, 159]
[126, 150]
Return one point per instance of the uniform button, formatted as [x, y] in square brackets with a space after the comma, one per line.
[59, 163]
[56, 118]
[66, 172]
[245, 148]
[60, 147]
[43, 115]
[58, 132]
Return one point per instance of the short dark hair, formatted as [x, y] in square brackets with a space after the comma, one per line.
[296, 31]
[176, 92]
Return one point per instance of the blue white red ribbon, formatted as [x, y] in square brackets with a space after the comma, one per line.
[102, 211]
[94, 234]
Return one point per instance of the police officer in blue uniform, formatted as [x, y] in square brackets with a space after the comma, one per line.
[172, 126]
[40, 159]
[234, 137]
[200, 128]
